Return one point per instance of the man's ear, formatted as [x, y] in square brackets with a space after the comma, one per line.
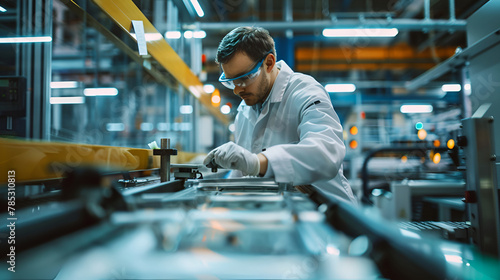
[270, 61]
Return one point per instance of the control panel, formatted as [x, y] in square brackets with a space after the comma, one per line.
[13, 106]
[12, 96]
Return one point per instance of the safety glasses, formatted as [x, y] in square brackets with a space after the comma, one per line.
[245, 79]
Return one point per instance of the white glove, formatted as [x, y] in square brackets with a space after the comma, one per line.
[233, 156]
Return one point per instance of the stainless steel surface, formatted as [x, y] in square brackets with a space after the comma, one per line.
[482, 183]
[250, 228]
[481, 132]
[221, 229]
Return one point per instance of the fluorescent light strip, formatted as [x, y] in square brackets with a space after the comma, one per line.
[149, 36]
[173, 34]
[67, 84]
[67, 100]
[416, 109]
[2, 9]
[340, 87]
[100, 91]
[147, 126]
[115, 127]
[451, 87]
[199, 34]
[360, 32]
[197, 7]
[186, 109]
[38, 39]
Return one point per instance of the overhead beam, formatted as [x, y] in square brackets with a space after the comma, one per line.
[91, 21]
[318, 25]
[362, 65]
[122, 12]
[347, 53]
[398, 57]
[456, 61]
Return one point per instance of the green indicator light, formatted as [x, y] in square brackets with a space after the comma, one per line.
[419, 126]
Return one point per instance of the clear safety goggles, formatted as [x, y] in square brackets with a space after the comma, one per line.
[245, 79]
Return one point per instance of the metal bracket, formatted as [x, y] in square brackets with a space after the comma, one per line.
[165, 152]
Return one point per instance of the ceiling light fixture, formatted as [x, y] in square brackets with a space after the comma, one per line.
[173, 34]
[66, 84]
[197, 7]
[340, 87]
[451, 87]
[149, 36]
[198, 34]
[360, 32]
[406, 109]
[36, 39]
[67, 100]
[100, 91]
[115, 127]
[186, 109]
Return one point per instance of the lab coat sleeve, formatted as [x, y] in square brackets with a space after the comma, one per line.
[320, 151]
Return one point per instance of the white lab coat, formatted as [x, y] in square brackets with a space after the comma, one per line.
[300, 132]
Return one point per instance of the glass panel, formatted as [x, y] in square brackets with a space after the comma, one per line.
[143, 110]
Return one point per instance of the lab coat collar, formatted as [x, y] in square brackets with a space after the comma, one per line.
[281, 82]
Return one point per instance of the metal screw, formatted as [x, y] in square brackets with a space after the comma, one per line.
[493, 157]
[491, 119]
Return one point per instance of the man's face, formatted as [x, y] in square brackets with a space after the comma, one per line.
[259, 89]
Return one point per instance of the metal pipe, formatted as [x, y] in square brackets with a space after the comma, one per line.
[452, 10]
[165, 161]
[420, 151]
[427, 10]
[401, 24]
[288, 17]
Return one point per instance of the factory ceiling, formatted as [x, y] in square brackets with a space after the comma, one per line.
[429, 33]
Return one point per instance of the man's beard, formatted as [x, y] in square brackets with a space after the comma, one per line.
[263, 89]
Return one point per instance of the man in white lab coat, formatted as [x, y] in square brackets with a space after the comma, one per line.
[286, 126]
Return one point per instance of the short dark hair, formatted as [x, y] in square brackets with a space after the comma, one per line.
[254, 41]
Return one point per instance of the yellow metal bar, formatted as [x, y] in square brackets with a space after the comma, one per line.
[123, 12]
[34, 161]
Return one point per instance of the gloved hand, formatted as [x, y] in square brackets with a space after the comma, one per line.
[233, 156]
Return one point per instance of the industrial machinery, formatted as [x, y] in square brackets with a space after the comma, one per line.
[13, 106]
[478, 194]
[102, 224]
[101, 212]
